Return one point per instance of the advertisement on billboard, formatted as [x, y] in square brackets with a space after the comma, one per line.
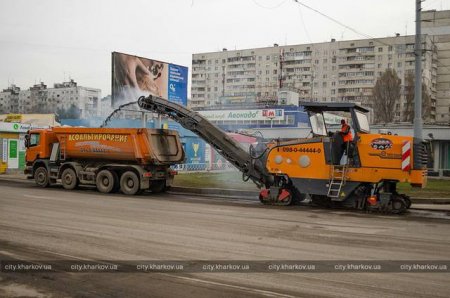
[231, 115]
[134, 76]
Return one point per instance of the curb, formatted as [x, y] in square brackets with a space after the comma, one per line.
[246, 193]
[429, 207]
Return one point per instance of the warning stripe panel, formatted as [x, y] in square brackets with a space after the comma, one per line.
[406, 156]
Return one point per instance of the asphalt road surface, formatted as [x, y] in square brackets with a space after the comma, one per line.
[54, 224]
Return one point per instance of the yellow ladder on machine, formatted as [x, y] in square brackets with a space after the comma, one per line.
[338, 176]
[338, 179]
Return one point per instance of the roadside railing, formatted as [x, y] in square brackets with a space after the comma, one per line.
[204, 167]
[226, 166]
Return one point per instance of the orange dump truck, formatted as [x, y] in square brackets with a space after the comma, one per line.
[130, 159]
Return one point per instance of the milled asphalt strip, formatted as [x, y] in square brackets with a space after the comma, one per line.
[252, 196]
[265, 293]
[35, 197]
[246, 289]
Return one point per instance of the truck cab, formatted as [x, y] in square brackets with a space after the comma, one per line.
[325, 120]
[38, 144]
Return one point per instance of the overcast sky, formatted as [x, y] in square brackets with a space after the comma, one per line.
[52, 40]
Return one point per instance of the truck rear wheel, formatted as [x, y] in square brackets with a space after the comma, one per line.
[69, 179]
[129, 183]
[105, 181]
[41, 177]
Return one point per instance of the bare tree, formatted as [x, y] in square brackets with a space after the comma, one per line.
[426, 103]
[408, 114]
[386, 94]
[408, 111]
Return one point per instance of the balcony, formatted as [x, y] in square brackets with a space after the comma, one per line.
[199, 62]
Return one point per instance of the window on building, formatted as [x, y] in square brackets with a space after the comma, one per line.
[380, 50]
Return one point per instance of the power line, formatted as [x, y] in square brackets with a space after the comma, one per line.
[354, 30]
[304, 25]
[333, 19]
[341, 24]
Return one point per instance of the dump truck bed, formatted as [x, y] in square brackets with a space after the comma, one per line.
[146, 146]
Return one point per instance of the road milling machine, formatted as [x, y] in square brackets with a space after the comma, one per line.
[288, 171]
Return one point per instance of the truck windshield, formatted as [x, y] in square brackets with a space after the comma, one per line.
[363, 122]
[318, 124]
[34, 139]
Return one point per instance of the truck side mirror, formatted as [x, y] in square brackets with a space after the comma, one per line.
[27, 141]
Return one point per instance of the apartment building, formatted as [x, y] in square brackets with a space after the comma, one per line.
[329, 71]
[437, 25]
[66, 97]
[9, 99]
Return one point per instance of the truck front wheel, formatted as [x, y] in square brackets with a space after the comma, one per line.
[105, 181]
[129, 183]
[41, 177]
[69, 179]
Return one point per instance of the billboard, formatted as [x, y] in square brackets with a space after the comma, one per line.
[134, 76]
[230, 115]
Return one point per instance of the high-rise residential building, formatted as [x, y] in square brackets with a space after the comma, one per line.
[9, 99]
[437, 25]
[330, 71]
[66, 98]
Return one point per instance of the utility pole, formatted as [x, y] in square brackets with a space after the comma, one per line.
[223, 81]
[418, 126]
[281, 75]
[311, 98]
[144, 120]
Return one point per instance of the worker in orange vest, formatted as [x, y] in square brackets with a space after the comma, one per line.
[347, 137]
